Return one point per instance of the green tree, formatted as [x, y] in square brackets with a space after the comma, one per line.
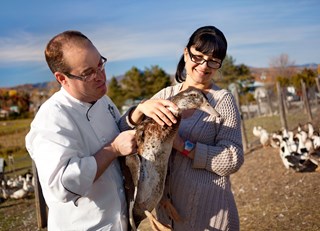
[133, 84]
[228, 71]
[115, 92]
[23, 104]
[244, 74]
[284, 81]
[232, 73]
[307, 75]
[143, 84]
[156, 79]
[138, 84]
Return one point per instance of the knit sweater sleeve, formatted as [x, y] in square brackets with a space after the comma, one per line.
[225, 154]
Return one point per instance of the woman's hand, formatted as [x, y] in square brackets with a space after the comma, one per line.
[157, 109]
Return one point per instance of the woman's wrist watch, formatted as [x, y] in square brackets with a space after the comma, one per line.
[188, 147]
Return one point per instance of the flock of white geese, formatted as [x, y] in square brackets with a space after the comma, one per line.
[299, 149]
[17, 187]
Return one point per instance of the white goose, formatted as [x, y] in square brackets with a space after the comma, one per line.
[302, 148]
[262, 134]
[285, 153]
[292, 142]
[293, 159]
[264, 138]
[315, 139]
[310, 129]
[275, 140]
[256, 131]
[22, 192]
[285, 133]
[303, 133]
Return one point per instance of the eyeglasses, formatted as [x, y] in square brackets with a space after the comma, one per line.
[198, 59]
[91, 73]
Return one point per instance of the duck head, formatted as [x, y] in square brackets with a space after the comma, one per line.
[193, 98]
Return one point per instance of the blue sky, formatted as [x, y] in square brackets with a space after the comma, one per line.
[145, 33]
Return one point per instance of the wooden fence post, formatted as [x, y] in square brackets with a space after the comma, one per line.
[243, 129]
[318, 87]
[306, 101]
[41, 207]
[269, 103]
[281, 107]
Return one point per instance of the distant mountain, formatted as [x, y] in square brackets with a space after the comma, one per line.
[312, 66]
[118, 78]
[308, 65]
[45, 86]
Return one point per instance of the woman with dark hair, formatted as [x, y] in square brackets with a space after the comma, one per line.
[207, 149]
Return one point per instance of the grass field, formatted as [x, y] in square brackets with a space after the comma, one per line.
[12, 142]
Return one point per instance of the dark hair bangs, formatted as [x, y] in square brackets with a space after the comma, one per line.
[211, 46]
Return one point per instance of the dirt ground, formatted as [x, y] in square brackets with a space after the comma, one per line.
[269, 197]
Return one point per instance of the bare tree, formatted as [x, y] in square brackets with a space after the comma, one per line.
[282, 66]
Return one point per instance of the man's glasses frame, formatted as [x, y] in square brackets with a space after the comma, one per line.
[91, 76]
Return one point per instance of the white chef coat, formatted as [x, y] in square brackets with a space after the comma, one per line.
[64, 135]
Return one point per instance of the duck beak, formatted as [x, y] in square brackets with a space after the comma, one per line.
[206, 107]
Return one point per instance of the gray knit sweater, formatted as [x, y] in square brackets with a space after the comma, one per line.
[200, 189]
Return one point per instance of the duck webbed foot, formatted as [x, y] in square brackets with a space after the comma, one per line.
[155, 224]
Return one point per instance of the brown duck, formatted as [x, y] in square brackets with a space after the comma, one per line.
[148, 167]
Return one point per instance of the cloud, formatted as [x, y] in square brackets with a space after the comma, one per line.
[125, 43]
[22, 47]
[117, 43]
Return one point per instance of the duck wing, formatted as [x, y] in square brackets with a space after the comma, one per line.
[131, 173]
[132, 167]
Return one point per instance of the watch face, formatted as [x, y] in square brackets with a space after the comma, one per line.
[188, 145]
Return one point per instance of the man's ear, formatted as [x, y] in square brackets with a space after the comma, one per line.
[61, 78]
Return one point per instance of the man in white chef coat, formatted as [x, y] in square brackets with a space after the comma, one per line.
[77, 135]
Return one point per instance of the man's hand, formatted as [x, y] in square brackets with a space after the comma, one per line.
[125, 143]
